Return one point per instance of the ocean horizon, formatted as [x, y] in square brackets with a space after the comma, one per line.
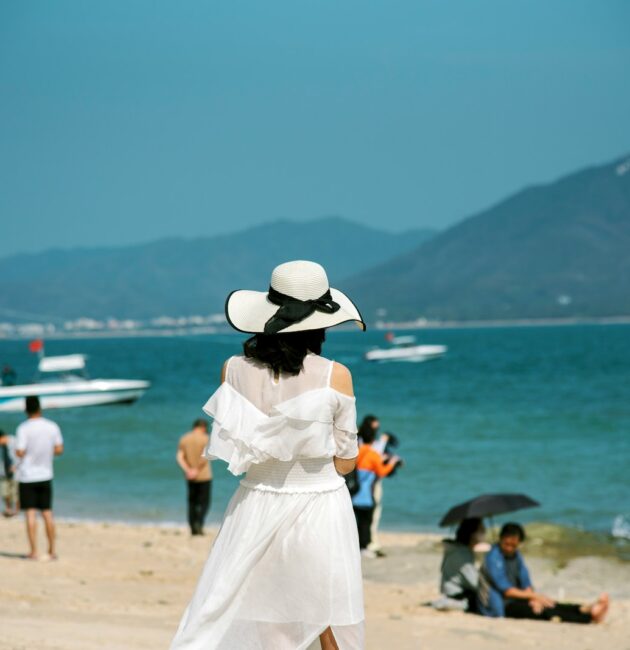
[538, 410]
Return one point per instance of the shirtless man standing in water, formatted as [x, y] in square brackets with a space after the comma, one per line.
[197, 472]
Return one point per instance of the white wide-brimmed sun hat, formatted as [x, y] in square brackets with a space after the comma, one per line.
[299, 298]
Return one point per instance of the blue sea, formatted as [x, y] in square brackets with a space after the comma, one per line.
[539, 410]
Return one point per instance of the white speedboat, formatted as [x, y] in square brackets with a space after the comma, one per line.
[404, 348]
[63, 383]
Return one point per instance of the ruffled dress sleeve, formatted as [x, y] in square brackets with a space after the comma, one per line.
[235, 422]
[243, 435]
[345, 427]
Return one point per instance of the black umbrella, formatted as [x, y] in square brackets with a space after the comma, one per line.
[487, 505]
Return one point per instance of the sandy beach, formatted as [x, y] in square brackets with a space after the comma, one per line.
[123, 587]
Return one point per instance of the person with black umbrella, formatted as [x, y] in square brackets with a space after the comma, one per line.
[487, 505]
[459, 574]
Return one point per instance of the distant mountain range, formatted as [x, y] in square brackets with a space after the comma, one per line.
[556, 250]
[185, 276]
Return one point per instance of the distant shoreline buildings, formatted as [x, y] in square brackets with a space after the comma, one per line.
[169, 326]
[86, 327]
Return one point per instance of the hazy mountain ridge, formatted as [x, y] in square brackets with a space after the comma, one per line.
[560, 249]
[555, 250]
[185, 276]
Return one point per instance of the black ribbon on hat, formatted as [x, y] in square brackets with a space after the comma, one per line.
[293, 310]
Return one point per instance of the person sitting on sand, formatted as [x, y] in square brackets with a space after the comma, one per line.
[506, 588]
[459, 574]
[38, 442]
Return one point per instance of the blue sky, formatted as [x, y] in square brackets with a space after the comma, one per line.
[128, 121]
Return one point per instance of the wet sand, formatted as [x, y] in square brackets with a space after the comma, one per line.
[124, 587]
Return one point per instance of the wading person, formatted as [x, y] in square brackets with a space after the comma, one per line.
[38, 441]
[506, 588]
[198, 473]
[285, 569]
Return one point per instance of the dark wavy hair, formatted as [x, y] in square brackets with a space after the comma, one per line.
[366, 429]
[284, 352]
[466, 529]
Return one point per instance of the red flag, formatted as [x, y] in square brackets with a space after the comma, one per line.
[37, 345]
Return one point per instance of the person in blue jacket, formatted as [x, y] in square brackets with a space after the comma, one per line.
[503, 569]
[506, 588]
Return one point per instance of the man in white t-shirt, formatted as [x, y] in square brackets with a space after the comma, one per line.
[38, 441]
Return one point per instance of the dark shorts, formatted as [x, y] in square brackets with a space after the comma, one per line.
[36, 495]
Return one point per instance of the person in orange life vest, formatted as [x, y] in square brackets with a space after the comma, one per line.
[370, 467]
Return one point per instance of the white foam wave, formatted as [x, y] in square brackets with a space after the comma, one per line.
[621, 527]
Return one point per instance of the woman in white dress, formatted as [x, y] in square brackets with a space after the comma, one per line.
[285, 570]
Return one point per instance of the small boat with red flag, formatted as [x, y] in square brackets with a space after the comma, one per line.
[63, 382]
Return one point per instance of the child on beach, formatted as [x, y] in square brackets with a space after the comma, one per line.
[506, 588]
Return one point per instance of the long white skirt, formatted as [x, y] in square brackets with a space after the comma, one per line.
[283, 568]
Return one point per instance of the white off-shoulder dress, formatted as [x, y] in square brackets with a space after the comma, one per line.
[286, 563]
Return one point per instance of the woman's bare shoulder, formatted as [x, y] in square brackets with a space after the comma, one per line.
[341, 379]
[230, 361]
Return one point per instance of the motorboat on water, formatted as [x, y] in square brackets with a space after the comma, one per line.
[404, 348]
[63, 382]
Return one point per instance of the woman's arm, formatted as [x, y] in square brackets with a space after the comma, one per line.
[224, 370]
[344, 465]
[341, 381]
